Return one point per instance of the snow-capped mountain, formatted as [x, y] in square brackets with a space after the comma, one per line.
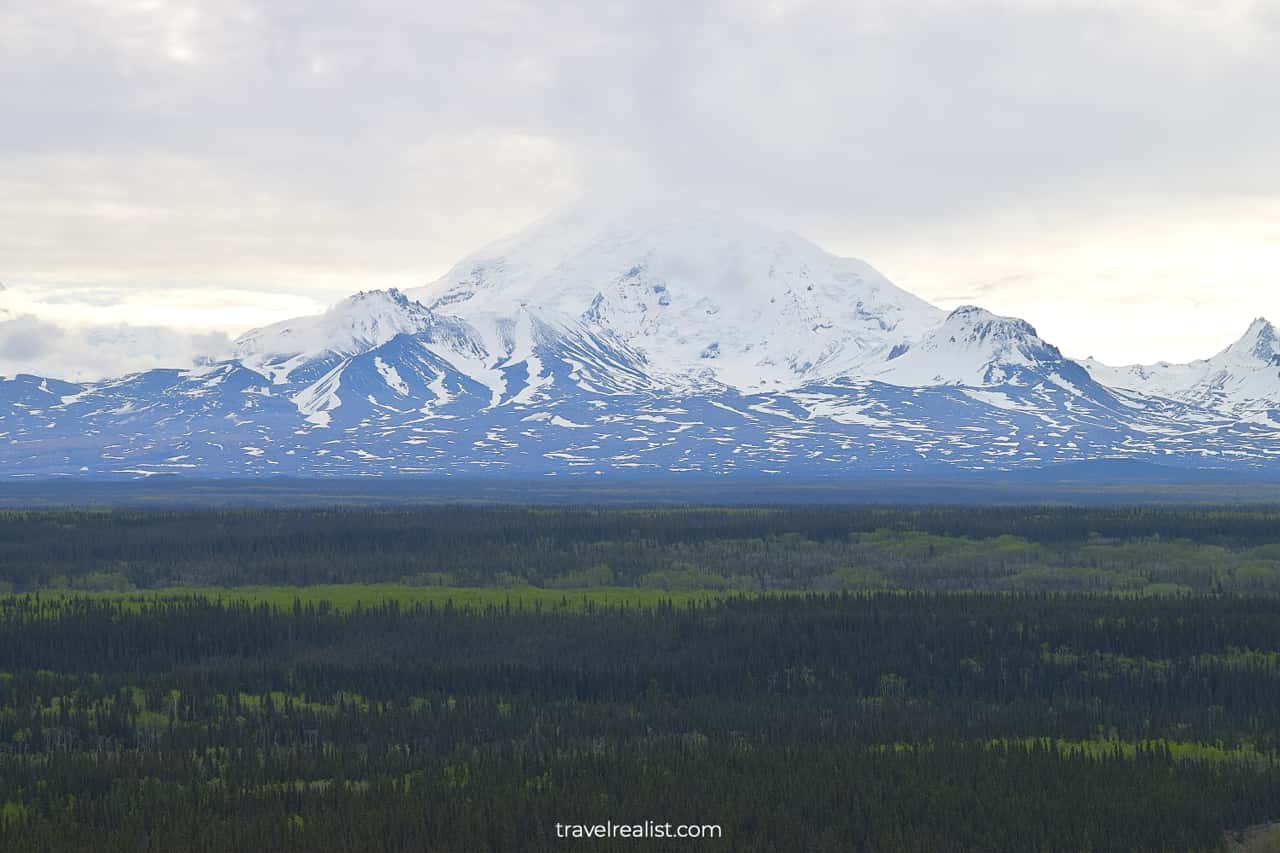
[976, 348]
[613, 341]
[1241, 382]
[355, 325]
[701, 295]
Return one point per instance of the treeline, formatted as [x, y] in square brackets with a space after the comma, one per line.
[815, 548]
[813, 723]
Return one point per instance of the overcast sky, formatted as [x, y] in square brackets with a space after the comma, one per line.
[176, 171]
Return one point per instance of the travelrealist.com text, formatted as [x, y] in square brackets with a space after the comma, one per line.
[647, 829]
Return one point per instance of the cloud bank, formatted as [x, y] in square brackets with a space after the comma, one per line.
[34, 346]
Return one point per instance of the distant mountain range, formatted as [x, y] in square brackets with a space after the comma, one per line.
[632, 341]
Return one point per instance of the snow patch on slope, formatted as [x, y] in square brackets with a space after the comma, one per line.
[317, 401]
[391, 376]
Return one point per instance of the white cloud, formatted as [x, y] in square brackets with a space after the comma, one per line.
[94, 332]
[29, 344]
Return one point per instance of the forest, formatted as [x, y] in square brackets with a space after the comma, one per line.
[1010, 549]
[866, 679]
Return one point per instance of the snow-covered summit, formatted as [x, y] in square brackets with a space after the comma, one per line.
[356, 324]
[697, 292]
[972, 347]
[1259, 344]
[1242, 381]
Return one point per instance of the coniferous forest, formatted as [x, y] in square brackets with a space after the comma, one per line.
[802, 679]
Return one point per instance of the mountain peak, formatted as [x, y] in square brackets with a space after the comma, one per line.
[377, 304]
[1260, 342]
[357, 324]
[391, 294]
[984, 324]
[1240, 381]
[972, 347]
[699, 292]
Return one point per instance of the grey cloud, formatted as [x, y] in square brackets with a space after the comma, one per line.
[865, 109]
[26, 339]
